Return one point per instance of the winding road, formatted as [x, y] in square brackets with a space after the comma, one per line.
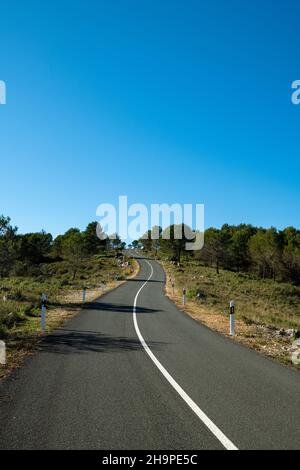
[131, 371]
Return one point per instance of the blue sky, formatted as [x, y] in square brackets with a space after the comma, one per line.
[163, 101]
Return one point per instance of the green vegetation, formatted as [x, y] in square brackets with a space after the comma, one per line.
[34, 263]
[259, 268]
[20, 295]
[258, 301]
[266, 253]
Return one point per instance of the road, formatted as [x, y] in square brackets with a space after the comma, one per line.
[131, 371]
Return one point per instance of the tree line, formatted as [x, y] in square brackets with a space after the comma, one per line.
[20, 254]
[267, 253]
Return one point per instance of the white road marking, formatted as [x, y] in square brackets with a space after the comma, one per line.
[201, 415]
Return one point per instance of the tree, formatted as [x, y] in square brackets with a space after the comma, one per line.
[265, 252]
[6, 230]
[94, 238]
[7, 245]
[174, 239]
[146, 241]
[34, 247]
[156, 233]
[215, 247]
[238, 249]
[75, 249]
[291, 254]
[60, 241]
[7, 256]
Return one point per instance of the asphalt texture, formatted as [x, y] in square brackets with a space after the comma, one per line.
[92, 385]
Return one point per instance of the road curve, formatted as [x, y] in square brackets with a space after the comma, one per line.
[131, 371]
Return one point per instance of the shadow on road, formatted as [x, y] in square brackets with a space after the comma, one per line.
[79, 342]
[144, 280]
[118, 308]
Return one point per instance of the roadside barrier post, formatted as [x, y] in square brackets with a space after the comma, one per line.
[173, 285]
[2, 353]
[231, 306]
[43, 313]
[183, 295]
[83, 294]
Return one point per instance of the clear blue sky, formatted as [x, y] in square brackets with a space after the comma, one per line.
[165, 101]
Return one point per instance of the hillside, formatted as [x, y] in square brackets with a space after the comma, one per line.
[20, 299]
[267, 312]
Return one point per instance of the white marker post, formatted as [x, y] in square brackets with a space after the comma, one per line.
[231, 305]
[183, 295]
[2, 353]
[83, 294]
[43, 313]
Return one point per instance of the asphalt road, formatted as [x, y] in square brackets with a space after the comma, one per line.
[150, 377]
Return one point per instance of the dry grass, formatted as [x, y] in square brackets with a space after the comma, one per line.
[262, 307]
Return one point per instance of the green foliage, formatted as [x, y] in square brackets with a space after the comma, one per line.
[91, 239]
[24, 255]
[267, 253]
[171, 241]
[33, 248]
[261, 301]
[7, 245]
[20, 296]
[11, 313]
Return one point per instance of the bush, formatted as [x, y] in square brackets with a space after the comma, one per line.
[10, 314]
[16, 295]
